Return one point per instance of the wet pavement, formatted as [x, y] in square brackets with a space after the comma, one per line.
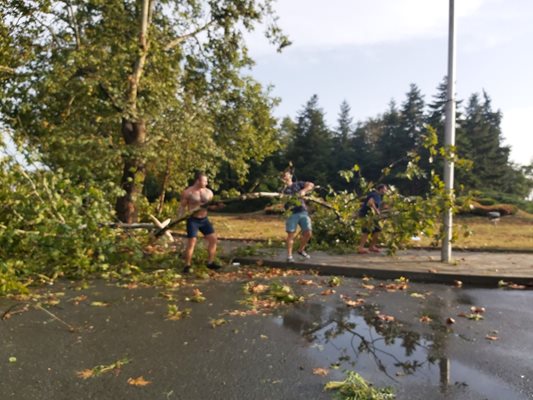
[393, 333]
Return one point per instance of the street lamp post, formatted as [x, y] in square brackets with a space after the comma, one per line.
[449, 138]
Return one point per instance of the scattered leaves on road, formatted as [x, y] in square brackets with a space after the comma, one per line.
[334, 281]
[102, 369]
[197, 296]
[352, 303]
[217, 322]
[175, 314]
[356, 387]
[472, 316]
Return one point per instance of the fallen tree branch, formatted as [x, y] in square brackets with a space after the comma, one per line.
[246, 196]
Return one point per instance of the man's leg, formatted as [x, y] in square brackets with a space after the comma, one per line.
[191, 243]
[211, 247]
[290, 227]
[364, 238]
[290, 243]
[306, 235]
[305, 225]
[374, 242]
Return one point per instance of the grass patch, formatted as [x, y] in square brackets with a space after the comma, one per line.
[513, 232]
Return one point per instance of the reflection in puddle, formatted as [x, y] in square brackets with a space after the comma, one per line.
[387, 352]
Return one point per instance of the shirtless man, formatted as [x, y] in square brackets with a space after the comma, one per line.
[193, 197]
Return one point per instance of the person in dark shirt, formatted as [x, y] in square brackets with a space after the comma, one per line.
[299, 215]
[371, 205]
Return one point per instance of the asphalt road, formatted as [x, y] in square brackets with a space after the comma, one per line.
[394, 338]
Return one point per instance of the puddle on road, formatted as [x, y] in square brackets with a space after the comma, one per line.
[389, 354]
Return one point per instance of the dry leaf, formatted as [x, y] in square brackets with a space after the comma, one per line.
[85, 374]
[385, 317]
[320, 371]
[140, 381]
[457, 283]
[327, 292]
[305, 282]
[516, 286]
[491, 337]
[352, 303]
[99, 304]
[450, 320]
[425, 319]
[218, 322]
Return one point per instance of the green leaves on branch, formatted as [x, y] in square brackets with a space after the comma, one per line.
[402, 218]
[49, 227]
[355, 387]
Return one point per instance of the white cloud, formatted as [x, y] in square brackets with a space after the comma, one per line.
[320, 24]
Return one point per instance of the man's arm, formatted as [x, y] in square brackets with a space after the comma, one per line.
[372, 204]
[184, 204]
[308, 186]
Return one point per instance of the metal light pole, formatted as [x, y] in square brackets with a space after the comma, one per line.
[449, 138]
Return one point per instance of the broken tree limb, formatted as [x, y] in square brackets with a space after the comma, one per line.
[246, 196]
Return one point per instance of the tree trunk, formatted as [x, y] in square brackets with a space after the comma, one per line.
[134, 134]
[163, 189]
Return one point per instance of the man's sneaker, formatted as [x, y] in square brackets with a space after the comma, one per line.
[187, 269]
[290, 259]
[214, 266]
[304, 254]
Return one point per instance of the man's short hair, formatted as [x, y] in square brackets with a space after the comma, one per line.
[199, 174]
[381, 186]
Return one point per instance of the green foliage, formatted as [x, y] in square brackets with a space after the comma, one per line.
[355, 387]
[283, 293]
[402, 218]
[51, 227]
[80, 75]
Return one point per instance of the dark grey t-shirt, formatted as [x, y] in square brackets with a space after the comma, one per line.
[292, 189]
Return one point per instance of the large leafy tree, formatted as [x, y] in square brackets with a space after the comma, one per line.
[105, 89]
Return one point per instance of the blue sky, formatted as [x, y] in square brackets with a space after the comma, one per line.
[369, 52]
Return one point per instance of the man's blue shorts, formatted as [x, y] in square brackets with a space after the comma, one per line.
[199, 224]
[300, 218]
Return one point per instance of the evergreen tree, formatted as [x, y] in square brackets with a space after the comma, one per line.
[491, 159]
[344, 153]
[367, 143]
[437, 118]
[311, 149]
[387, 151]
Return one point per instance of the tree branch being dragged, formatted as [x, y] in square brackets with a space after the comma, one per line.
[247, 196]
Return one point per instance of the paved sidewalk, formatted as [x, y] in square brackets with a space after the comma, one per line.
[477, 268]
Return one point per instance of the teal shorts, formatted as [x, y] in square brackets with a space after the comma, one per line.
[300, 218]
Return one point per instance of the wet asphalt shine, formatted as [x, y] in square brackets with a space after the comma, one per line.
[423, 340]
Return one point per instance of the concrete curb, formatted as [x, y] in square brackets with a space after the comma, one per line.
[379, 273]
